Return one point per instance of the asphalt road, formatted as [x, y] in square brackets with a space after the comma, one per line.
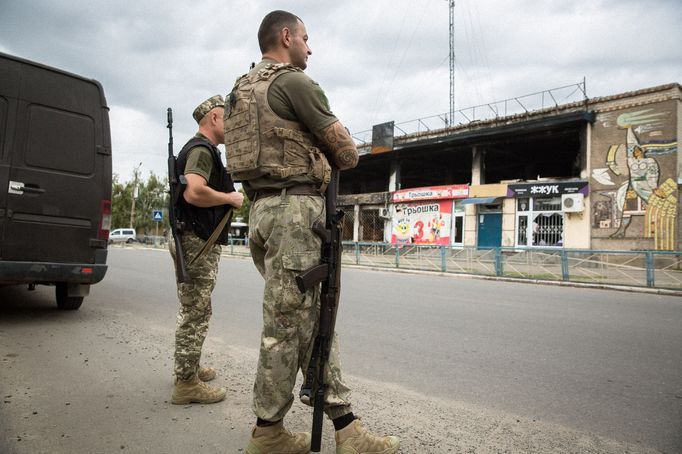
[449, 364]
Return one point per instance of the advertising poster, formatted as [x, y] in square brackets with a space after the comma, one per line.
[424, 215]
[427, 222]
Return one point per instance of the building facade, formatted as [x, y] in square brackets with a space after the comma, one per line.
[599, 174]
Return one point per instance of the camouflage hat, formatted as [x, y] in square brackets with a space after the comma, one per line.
[206, 106]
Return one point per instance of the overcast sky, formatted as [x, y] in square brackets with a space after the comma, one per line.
[378, 61]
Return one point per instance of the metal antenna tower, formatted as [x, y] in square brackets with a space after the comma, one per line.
[452, 62]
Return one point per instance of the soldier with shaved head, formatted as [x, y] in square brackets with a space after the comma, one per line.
[281, 138]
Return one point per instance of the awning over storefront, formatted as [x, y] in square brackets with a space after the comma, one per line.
[481, 200]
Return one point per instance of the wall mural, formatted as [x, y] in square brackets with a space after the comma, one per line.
[634, 170]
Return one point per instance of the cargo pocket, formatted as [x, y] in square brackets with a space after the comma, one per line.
[294, 264]
[320, 170]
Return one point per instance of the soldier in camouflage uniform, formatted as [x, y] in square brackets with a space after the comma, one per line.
[284, 164]
[205, 200]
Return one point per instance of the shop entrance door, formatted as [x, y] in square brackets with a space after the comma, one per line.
[489, 230]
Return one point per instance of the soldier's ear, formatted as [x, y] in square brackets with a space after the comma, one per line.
[216, 118]
[286, 37]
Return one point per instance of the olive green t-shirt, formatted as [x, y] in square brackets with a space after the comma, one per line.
[200, 162]
[295, 97]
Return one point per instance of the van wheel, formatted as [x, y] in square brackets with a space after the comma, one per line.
[129, 240]
[65, 302]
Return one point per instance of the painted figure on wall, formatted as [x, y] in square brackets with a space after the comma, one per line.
[640, 192]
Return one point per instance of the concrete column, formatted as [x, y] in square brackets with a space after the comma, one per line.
[470, 211]
[508, 222]
[394, 179]
[477, 176]
[578, 226]
[356, 223]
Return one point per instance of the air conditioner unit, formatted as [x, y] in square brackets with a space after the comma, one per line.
[385, 213]
[572, 203]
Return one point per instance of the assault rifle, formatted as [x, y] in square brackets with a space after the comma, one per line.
[329, 273]
[175, 183]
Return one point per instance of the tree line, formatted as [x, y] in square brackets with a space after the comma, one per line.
[151, 195]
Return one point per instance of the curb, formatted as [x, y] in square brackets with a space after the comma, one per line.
[623, 288]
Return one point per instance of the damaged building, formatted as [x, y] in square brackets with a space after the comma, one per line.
[600, 173]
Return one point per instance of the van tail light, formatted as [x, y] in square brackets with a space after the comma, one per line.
[105, 221]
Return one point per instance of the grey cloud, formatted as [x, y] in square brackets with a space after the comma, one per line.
[380, 60]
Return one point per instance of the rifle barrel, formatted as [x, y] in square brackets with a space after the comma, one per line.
[181, 273]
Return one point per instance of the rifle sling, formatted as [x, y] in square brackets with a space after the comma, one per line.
[214, 236]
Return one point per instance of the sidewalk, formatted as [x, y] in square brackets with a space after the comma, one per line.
[241, 251]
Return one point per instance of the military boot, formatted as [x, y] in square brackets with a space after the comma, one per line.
[206, 373]
[194, 390]
[276, 439]
[356, 439]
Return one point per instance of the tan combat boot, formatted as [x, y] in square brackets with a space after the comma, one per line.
[206, 373]
[276, 439]
[356, 439]
[194, 390]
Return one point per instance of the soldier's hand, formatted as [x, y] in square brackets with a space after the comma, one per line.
[236, 199]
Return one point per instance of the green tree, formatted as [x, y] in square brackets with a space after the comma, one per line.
[121, 198]
[152, 194]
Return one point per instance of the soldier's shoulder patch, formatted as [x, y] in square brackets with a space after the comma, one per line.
[200, 160]
[205, 162]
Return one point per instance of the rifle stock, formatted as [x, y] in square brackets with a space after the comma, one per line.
[329, 274]
[175, 192]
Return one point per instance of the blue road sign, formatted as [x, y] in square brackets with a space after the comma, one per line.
[158, 215]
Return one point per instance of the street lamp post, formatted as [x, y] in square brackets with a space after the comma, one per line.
[136, 174]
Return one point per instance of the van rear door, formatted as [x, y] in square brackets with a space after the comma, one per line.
[9, 90]
[60, 168]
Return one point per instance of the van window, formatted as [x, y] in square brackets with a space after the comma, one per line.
[72, 134]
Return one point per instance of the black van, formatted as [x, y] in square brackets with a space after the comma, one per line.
[55, 179]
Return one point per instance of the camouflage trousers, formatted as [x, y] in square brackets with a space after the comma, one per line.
[195, 303]
[283, 245]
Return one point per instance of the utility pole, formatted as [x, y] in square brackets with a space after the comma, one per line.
[452, 62]
[136, 174]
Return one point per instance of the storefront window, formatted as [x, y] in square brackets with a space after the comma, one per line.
[540, 222]
[548, 229]
[522, 204]
[522, 231]
[457, 223]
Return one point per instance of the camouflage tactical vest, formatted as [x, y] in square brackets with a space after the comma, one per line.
[258, 142]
